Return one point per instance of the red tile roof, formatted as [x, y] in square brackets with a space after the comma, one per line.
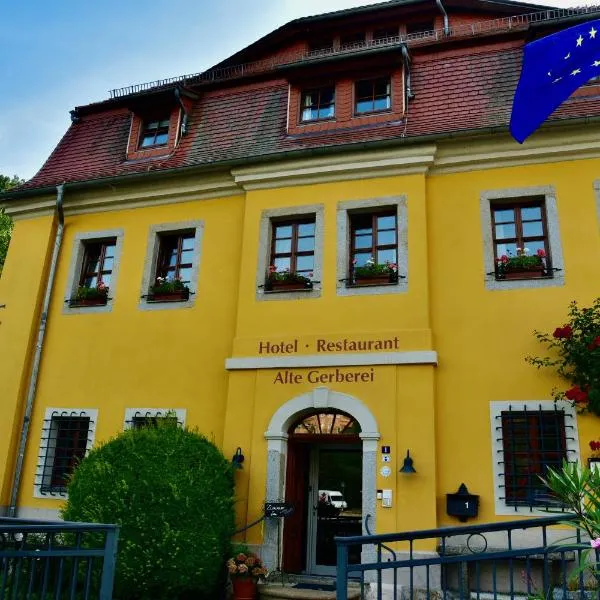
[455, 91]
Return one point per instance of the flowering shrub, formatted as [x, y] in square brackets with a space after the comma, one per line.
[287, 276]
[246, 565]
[163, 285]
[523, 261]
[96, 292]
[595, 448]
[373, 269]
[577, 344]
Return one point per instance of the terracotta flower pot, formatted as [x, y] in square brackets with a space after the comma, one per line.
[179, 296]
[98, 301]
[244, 588]
[287, 285]
[378, 280]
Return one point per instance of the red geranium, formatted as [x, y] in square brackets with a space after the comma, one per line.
[563, 332]
[594, 344]
[595, 446]
[576, 394]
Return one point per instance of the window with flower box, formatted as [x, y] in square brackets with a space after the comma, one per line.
[520, 236]
[96, 273]
[372, 95]
[528, 439]
[93, 272]
[67, 435]
[522, 246]
[292, 256]
[171, 268]
[174, 268]
[373, 248]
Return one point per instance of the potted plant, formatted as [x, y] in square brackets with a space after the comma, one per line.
[286, 280]
[168, 290]
[245, 569]
[594, 459]
[372, 273]
[523, 265]
[90, 295]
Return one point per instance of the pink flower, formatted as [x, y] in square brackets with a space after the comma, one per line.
[311, 274]
[272, 269]
[595, 543]
[242, 568]
[541, 252]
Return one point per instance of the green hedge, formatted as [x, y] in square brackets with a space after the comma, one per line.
[171, 491]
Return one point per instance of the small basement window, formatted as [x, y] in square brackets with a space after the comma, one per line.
[532, 442]
[154, 133]
[66, 438]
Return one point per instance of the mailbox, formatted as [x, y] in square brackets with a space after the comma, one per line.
[462, 504]
[278, 510]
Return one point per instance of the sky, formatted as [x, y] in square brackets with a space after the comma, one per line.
[65, 53]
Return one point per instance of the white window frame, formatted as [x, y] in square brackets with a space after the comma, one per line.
[151, 260]
[572, 446]
[344, 210]
[76, 264]
[46, 451]
[150, 413]
[264, 251]
[548, 192]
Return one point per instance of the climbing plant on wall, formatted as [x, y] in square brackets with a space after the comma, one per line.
[575, 349]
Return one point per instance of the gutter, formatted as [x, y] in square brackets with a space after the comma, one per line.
[284, 155]
[37, 357]
[445, 14]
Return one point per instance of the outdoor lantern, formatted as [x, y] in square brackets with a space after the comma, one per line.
[238, 459]
[407, 467]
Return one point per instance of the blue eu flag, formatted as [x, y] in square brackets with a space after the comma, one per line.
[553, 68]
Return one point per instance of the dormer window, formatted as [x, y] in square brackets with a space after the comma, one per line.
[155, 133]
[372, 95]
[318, 104]
[385, 33]
[352, 39]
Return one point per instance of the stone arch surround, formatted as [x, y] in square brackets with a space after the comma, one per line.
[321, 398]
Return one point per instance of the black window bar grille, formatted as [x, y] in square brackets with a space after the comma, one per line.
[532, 441]
[152, 418]
[64, 442]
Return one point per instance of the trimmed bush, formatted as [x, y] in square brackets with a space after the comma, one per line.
[171, 491]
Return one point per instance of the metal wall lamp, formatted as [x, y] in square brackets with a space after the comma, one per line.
[407, 467]
[238, 459]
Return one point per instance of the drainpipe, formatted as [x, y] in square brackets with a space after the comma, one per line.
[446, 22]
[406, 59]
[35, 368]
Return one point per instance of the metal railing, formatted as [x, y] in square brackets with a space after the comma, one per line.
[42, 560]
[528, 559]
[486, 27]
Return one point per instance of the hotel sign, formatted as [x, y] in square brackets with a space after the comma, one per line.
[324, 345]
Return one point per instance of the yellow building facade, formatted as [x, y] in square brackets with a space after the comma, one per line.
[426, 363]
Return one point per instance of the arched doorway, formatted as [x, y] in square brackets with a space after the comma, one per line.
[324, 484]
[334, 424]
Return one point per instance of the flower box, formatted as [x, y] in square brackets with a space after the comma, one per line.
[80, 302]
[288, 286]
[377, 280]
[174, 296]
[536, 272]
